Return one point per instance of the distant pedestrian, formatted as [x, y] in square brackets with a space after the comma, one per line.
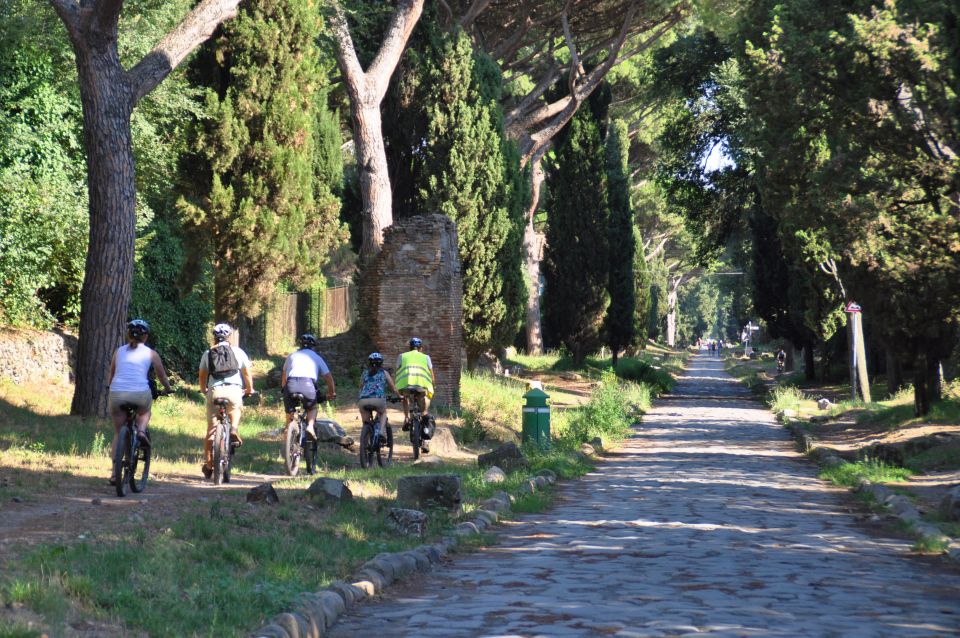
[720, 348]
[712, 347]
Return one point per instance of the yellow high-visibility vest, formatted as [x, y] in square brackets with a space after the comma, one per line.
[414, 371]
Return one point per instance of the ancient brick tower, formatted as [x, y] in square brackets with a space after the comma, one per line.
[415, 289]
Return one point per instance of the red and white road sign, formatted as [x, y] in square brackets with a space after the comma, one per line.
[853, 306]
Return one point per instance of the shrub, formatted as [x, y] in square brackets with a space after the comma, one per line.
[608, 414]
[785, 397]
[642, 372]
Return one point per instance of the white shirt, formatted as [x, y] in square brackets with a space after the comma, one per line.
[237, 379]
[305, 364]
[132, 366]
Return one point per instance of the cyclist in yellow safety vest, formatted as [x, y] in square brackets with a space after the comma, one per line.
[415, 377]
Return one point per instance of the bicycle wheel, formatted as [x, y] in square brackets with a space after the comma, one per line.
[310, 456]
[220, 452]
[366, 445]
[291, 449]
[385, 452]
[415, 436]
[121, 455]
[139, 468]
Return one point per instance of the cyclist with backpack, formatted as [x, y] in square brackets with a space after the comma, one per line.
[129, 383]
[301, 374]
[224, 374]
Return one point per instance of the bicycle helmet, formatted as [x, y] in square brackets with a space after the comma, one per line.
[415, 343]
[307, 340]
[137, 328]
[375, 359]
[222, 331]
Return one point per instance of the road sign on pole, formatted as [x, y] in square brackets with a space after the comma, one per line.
[852, 307]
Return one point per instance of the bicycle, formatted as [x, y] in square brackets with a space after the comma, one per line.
[223, 447]
[297, 444]
[373, 442]
[131, 455]
[415, 423]
[780, 366]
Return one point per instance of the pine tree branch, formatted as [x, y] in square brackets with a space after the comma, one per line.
[476, 8]
[69, 12]
[194, 30]
[353, 74]
[401, 26]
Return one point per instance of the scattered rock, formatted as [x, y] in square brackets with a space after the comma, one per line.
[529, 486]
[430, 490]
[408, 522]
[328, 491]
[263, 493]
[488, 362]
[17, 499]
[467, 528]
[950, 504]
[272, 630]
[428, 460]
[587, 449]
[508, 457]
[330, 432]
[824, 404]
[351, 594]
[95, 501]
[550, 475]
[541, 481]
[443, 442]
[494, 474]
[294, 624]
[597, 443]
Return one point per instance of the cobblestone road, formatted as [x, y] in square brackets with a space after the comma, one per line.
[706, 522]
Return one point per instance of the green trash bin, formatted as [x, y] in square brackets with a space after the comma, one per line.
[536, 418]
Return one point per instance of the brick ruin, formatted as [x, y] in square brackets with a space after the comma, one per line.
[415, 288]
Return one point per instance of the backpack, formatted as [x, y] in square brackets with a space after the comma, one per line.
[222, 362]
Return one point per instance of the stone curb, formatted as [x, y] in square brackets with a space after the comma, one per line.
[896, 504]
[316, 613]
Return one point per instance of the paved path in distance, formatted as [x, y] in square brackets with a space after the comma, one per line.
[706, 522]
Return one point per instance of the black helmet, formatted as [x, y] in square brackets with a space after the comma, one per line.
[137, 328]
[222, 331]
[415, 342]
[375, 359]
[307, 340]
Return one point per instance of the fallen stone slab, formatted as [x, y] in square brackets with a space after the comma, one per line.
[263, 493]
[508, 457]
[408, 522]
[328, 491]
[443, 443]
[430, 490]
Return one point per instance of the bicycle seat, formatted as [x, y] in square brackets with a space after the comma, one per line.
[221, 401]
[298, 397]
[129, 407]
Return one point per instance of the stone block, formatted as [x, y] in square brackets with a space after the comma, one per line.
[550, 475]
[328, 491]
[494, 474]
[443, 442]
[408, 522]
[430, 490]
[263, 493]
[507, 457]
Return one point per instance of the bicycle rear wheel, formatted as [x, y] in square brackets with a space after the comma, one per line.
[291, 448]
[220, 453]
[139, 468]
[415, 437]
[121, 455]
[366, 445]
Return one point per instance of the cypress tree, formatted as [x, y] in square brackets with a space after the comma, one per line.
[462, 166]
[576, 264]
[263, 210]
[642, 293]
[620, 320]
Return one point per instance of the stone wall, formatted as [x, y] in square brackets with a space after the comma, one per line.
[28, 356]
[415, 288]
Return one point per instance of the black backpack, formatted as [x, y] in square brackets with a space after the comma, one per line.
[221, 362]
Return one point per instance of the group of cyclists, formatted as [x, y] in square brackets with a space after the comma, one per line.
[225, 373]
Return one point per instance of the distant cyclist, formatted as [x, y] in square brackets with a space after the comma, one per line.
[415, 378]
[781, 359]
[129, 384]
[224, 371]
[301, 374]
[373, 390]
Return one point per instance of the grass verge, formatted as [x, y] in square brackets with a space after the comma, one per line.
[850, 474]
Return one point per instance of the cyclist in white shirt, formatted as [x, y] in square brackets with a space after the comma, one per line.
[301, 373]
[129, 381]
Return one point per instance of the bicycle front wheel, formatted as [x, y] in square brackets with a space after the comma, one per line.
[385, 453]
[220, 453]
[139, 468]
[121, 456]
[291, 449]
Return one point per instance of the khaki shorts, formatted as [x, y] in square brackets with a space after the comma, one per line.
[143, 400]
[373, 403]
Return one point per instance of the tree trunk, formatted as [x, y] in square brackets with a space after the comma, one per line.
[921, 399]
[108, 276]
[533, 244]
[894, 373]
[791, 361]
[809, 367]
[862, 373]
[672, 314]
[374, 176]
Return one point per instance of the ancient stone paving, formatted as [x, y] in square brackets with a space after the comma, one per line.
[706, 522]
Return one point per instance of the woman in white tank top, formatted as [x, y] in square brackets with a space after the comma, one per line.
[128, 380]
